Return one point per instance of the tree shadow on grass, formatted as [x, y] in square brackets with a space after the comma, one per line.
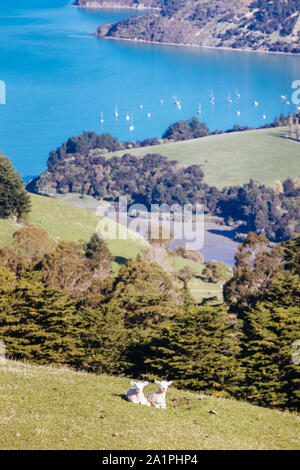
[120, 395]
[286, 137]
[120, 260]
[224, 233]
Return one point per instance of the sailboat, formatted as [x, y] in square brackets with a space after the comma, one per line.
[212, 98]
[127, 117]
[131, 127]
[161, 101]
[199, 109]
[229, 99]
[237, 93]
[116, 112]
[238, 113]
[255, 103]
[101, 118]
[148, 115]
[264, 116]
[177, 102]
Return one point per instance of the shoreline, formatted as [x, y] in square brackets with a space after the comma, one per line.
[142, 8]
[138, 8]
[196, 46]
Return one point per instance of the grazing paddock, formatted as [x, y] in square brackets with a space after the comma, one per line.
[230, 159]
[51, 408]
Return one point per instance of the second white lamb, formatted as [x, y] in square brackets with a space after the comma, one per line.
[158, 399]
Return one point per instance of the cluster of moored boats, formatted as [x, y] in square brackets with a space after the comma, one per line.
[177, 102]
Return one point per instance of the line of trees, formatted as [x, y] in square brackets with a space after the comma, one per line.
[59, 304]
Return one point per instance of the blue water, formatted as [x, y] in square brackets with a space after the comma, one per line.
[59, 80]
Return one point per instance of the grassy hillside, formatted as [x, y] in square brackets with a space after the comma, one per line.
[67, 222]
[229, 159]
[47, 408]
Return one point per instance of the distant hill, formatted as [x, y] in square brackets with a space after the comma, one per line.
[260, 25]
[227, 159]
[232, 159]
[49, 408]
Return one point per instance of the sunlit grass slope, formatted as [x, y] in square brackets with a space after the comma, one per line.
[229, 159]
[67, 222]
[47, 408]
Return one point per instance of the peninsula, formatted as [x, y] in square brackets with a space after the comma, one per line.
[237, 24]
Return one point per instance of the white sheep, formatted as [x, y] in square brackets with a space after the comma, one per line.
[158, 399]
[136, 395]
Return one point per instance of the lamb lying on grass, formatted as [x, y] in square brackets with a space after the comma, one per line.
[158, 399]
[136, 395]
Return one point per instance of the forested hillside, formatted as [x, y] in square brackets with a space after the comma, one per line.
[80, 166]
[260, 25]
[61, 303]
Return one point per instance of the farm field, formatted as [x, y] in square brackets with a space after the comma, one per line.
[51, 408]
[264, 155]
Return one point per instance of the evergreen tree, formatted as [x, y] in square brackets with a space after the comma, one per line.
[269, 330]
[104, 339]
[197, 351]
[292, 255]
[256, 265]
[14, 200]
[145, 294]
[98, 257]
[144, 298]
[7, 283]
[40, 324]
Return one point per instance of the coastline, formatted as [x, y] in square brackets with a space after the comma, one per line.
[143, 8]
[101, 7]
[224, 48]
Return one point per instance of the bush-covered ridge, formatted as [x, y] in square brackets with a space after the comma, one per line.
[262, 25]
[80, 166]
